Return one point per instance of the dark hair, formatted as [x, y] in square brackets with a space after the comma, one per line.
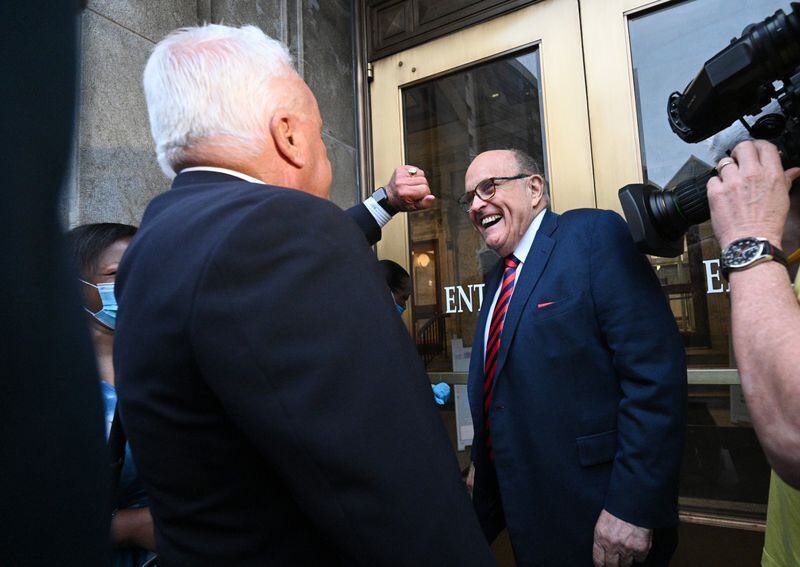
[530, 166]
[87, 242]
[394, 274]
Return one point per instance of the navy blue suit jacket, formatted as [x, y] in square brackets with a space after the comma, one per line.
[589, 404]
[276, 407]
[366, 222]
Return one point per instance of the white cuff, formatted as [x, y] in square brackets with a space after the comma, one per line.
[379, 213]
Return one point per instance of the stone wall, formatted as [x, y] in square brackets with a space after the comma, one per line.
[115, 173]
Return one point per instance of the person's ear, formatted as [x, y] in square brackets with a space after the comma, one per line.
[536, 185]
[285, 132]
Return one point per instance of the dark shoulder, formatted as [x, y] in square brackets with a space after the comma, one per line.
[591, 216]
[600, 223]
[305, 211]
[279, 214]
[284, 208]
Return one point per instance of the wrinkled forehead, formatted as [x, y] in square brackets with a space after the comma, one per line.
[495, 163]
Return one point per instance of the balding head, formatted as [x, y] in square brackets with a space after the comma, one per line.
[503, 218]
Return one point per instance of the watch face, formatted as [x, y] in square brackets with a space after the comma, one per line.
[380, 194]
[742, 252]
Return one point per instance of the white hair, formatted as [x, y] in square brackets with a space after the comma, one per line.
[211, 82]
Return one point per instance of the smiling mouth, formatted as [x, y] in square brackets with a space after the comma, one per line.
[491, 220]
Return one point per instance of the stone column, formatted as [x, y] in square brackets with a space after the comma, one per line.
[115, 173]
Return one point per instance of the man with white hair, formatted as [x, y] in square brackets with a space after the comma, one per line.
[276, 407]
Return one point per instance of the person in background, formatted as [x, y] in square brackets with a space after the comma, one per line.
[96, 251]
[399, 282]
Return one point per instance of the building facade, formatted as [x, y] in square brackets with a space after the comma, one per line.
[114, 172]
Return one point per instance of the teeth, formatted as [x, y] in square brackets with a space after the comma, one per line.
[489, 219]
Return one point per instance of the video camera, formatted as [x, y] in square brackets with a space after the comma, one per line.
[736, 82]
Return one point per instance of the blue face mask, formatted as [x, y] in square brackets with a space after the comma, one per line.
[400, 308]
[107, 316]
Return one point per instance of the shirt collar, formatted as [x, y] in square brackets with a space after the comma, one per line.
[241, 176]
[524, 246]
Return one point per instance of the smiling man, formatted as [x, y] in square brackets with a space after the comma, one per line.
[577, 380]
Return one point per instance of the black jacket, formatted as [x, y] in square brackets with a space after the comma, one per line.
[277, 409]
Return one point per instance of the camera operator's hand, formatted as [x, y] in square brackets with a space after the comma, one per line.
[751, 195]
[751, 198]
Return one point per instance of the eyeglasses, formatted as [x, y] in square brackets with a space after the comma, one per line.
[485, 190]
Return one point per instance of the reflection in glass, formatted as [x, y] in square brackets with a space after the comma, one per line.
[724, 469]
[668, 46]
[447, 122]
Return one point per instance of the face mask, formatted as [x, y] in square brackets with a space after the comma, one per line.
[399, 308]
[107, 316]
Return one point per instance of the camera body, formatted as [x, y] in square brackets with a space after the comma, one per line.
[736, 82]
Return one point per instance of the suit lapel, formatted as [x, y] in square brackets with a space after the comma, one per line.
[532, 269]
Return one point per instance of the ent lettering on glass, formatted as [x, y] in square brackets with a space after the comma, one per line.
[714, 277]
[460, 298]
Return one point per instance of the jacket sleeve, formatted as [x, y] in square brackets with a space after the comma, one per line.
[318, 372]
[649, 358]
[366, 223]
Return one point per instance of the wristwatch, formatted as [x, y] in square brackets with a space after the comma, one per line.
[382, 198]
[746, 252]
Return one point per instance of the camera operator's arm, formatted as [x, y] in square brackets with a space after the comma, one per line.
[751, 199]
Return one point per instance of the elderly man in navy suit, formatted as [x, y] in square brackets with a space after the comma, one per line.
[275, 404]
[577, 380]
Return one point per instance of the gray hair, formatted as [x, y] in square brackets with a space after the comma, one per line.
[530, 166]
[212, 82]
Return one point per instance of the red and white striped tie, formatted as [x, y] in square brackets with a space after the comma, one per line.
[493, 344]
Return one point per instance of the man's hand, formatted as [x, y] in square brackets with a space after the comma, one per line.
[470, 478]
[751, 196]
[407, 191]
[133, 527]
[618, 543]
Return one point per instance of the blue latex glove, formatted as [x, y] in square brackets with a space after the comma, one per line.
[441, 393]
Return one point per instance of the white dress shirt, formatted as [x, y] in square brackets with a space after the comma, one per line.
[242, 176]
[521, 253]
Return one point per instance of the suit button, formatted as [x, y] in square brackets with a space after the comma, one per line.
[500, 407]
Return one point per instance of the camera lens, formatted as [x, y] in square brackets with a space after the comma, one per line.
[674, 211]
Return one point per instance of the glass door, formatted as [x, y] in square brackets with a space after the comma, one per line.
[514, 82]
[637, 53]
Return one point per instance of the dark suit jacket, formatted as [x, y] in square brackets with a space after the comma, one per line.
[276, 407]
[589, 405]
[55, 508]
